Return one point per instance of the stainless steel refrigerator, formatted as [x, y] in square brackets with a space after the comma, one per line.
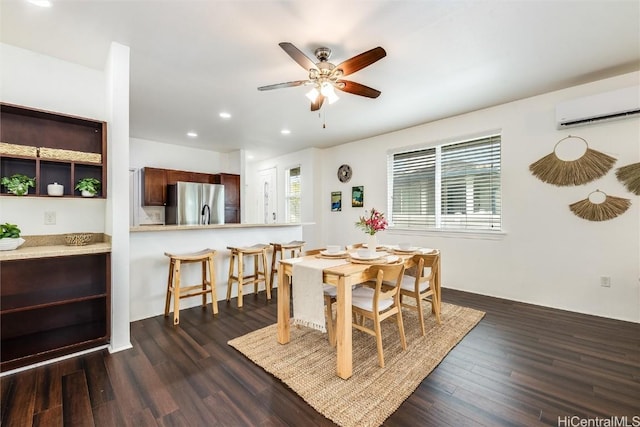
[193, 203]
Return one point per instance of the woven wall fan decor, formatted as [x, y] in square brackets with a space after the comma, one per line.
[553, 170]
[599, 206]
[629, 175]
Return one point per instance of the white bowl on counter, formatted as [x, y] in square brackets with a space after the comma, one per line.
[10, 243]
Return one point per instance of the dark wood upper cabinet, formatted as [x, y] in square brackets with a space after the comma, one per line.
[53, 148]
[155, 181]
[231, 184]
[154, 187]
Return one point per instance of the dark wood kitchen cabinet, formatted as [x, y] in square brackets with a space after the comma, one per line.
[154, 187]
[52, 147]
[50, 307]
[231, 184]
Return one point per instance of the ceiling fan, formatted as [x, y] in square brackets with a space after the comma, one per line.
[325, 77]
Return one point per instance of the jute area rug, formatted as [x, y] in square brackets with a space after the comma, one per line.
[308, 364]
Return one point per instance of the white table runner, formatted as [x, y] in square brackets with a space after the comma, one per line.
[308, 299]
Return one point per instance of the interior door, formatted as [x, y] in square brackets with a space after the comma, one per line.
[267, 194]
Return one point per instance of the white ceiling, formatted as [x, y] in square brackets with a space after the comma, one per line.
[191, 60]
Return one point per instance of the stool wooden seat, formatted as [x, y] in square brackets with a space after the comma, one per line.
[174, 285]
[238, 254]
[294, 248]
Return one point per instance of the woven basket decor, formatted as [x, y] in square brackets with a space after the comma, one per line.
[70, 155]
[77, 239]
[18, 150]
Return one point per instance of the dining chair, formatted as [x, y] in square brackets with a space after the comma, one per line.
[379, 304]
[422, 286]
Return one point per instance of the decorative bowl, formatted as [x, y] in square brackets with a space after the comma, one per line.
[10, 243]
[77, 239]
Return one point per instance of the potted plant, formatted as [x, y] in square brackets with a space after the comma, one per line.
[18, 184]
[9, 237]
[89, 187]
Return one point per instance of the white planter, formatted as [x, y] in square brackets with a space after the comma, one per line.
[55, 189]
[10, 243]
[86, 193]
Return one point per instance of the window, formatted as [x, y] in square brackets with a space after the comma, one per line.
[453, 186]
[292, 195]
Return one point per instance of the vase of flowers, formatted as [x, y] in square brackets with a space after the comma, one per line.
[371, 223]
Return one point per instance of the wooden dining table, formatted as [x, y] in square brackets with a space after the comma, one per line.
[343, 277]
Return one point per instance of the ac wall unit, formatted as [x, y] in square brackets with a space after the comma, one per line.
[617, 104]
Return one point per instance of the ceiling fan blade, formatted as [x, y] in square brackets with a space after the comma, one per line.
[281, 85]
[315, 106]
[357, 89]
[297, 55]
[358, 62]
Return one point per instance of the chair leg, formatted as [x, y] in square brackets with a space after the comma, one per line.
[230, 280]
[204, 282]
[265, 276]
[212, 285]
[273, 264]
[328, 314]
[176, 293]
[420, 314]
[240, 278]
[167, 302]
[379, 342]
[403, 339]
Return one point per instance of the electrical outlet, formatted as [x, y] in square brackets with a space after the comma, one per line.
[605, 281]
[49, 218]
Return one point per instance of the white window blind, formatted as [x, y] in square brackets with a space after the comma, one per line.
[453, 186]
[292, 195]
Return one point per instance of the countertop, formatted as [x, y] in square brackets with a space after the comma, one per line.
[32, 252]
[205, 227]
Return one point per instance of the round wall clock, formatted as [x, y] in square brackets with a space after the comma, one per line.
[344, 173]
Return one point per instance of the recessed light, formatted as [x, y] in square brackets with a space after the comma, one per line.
[192, 134]
[225, 115]
[285, 131]
[41, 3]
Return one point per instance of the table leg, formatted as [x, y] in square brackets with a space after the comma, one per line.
[284, 313]
[343, 330]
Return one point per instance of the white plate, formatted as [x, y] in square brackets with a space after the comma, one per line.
[377, 255]
[339, 253]
[411, 249]
[426, 250]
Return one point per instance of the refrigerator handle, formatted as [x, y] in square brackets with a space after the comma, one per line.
[206, 209]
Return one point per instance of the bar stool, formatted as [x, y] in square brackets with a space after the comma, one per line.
[174, 286]
[294, 248]
[259, 253]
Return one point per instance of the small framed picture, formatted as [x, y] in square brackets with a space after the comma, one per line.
[336, 201]
[357, 196]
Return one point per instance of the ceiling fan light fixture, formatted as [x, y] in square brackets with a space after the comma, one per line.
[313, 94]
[327, 90]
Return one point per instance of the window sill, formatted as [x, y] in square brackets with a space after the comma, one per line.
[455, 234]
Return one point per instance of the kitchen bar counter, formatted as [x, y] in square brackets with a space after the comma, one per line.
[149, 266]
[154, 227]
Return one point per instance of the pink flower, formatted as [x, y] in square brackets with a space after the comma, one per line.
[373, 223]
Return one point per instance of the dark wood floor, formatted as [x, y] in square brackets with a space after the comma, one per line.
[522, 365]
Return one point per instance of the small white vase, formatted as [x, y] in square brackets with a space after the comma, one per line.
[372, 244]
[86, 193]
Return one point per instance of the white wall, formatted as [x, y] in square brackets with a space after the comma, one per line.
[309, 161]
[548, 256]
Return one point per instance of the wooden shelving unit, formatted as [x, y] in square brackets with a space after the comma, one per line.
[81, 141]
[53, 306]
